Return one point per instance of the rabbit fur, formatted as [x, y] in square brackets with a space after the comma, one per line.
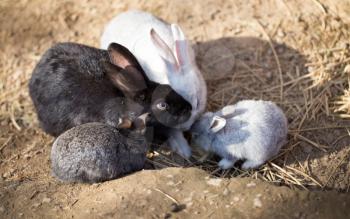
[166, 57]
[250, 130]
[96, 152]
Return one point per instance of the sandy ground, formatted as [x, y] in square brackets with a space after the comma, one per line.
[295, 53]
[172, 193]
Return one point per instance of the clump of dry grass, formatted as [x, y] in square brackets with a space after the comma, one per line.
[318, 88]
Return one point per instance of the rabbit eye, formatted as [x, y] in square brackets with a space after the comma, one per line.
[142, 97]
[162, 106]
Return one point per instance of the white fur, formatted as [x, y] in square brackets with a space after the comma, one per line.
[132, 29]
[254, 131]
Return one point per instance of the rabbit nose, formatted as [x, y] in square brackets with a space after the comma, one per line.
[124, 123]
[143, 117]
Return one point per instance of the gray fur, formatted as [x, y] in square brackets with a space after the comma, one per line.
[254, 131]
[95, 152]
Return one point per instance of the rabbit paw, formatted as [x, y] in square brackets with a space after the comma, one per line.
[226, 163]
[179, 144]
[181, 148]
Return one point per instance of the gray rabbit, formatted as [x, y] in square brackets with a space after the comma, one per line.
[75, 84]
[96, 152]
[250, 130]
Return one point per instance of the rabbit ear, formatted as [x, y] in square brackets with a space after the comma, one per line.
[217, 124]
[129, 80]
[228, 111]
[121, 56]
[163, 49]
[181, 45]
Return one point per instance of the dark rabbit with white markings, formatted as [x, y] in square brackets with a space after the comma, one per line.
[167, 57]
[75, 84]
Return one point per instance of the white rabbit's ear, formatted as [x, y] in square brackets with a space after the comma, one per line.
[217, 123]
[163, 49]
[181, 45]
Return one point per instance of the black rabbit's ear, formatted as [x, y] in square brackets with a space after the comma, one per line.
[121, 56]
[129, 80]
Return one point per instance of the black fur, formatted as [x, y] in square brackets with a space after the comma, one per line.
[75, 84]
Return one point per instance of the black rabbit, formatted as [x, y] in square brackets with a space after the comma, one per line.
[75, 84]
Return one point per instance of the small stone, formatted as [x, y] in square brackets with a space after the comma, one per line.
[214, 182]
[257, 202]
[236, 199]
[2, 209]
[27, 156]
[6, 175]
[35, 205]
[170, 183]
[225, 192]
[177, 208]
[46, 200]
[280, 33]
[251, 184]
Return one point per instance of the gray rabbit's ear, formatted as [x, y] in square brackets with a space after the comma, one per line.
[121, 56]
[228, 111]
[217, 123]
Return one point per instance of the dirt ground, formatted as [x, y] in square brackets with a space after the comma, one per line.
[296, 53]
[172, 193]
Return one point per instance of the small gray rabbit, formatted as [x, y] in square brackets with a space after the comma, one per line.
[96, 152]
[250, 130]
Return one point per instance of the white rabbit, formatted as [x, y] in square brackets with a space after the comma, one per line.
[166, 56]
[249, 130]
